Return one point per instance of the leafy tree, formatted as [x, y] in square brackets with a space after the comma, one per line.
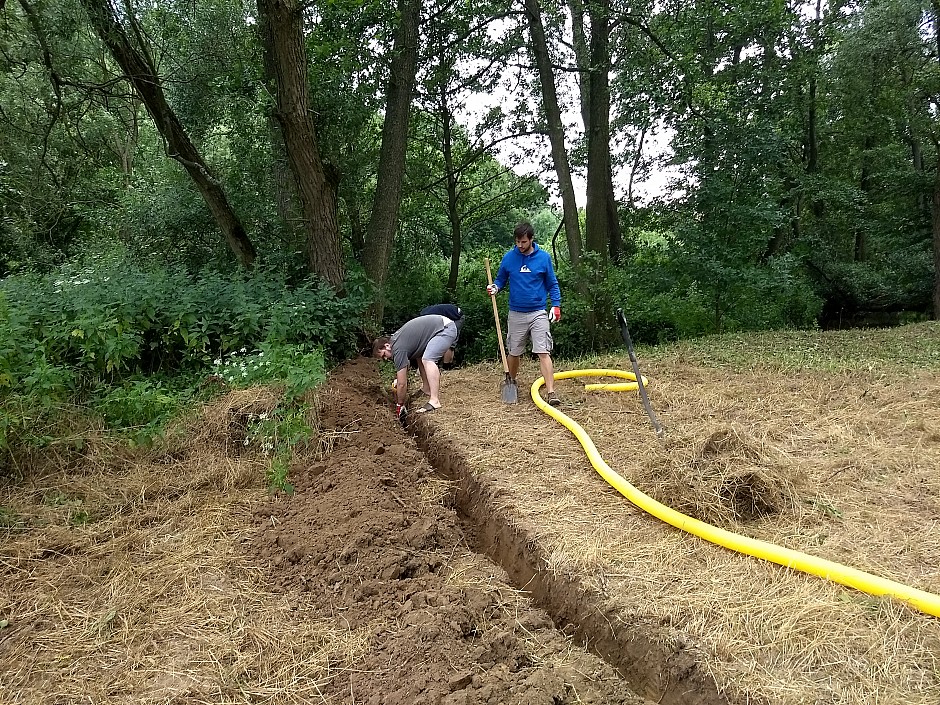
[869, 221]
[137, 64]
[468, 54]
[61, 151]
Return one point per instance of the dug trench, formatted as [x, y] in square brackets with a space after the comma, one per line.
[631, 646]
[441, 596]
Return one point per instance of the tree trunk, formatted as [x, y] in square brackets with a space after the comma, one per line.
[597, 210]
[935, 196]
[917, 161]
[384, 221]
[592, 56]
[142, 75]
[812, 134]
[283, 184]
[812, 146]
[317, 189]
[935, 220]
[582, 58]
[453, 212]
[357, 231]
[860, 246]
[614, 231]
[556, 130]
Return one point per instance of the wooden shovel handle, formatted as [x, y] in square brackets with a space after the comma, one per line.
[499, 332]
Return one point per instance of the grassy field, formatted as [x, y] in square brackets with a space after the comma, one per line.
[821, 442]
[172, 575]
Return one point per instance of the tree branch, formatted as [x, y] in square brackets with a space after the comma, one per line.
[34, 22]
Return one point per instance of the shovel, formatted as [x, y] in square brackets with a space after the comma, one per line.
[510, 392]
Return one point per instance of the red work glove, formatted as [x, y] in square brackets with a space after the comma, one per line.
[555, 314]
[492, 290]
[401, 412]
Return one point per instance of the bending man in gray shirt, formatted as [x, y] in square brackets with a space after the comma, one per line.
[422, 342]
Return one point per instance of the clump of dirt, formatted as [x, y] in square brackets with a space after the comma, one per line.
[366, 540]
[728, 478]
[749, 496]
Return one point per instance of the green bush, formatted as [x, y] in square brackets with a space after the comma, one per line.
[111, 318]
[297, 366]
[131, 339]
[478, 340]
[139, 409]
[32, 388]
[410, 288]
[277, 435]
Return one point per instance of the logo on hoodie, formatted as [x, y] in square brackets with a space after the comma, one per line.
[525, 268]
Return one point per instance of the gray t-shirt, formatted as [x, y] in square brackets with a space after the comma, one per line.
[452, 311]
[409, 341]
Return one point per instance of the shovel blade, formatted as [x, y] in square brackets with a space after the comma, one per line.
[510, 392]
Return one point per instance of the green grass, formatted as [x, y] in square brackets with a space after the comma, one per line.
[914, 346]
[9, 519]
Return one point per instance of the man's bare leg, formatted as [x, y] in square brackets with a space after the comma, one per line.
[548, 371]
[431, 374]
[425, 387]
[512, 362]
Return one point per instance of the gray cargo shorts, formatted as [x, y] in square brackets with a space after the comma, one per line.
[534, 325]
[440, 343]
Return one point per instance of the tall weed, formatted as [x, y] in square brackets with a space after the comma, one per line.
[110, 332]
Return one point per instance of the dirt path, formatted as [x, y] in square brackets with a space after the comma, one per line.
[367, 540]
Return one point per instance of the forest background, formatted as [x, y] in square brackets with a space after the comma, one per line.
[238, 192]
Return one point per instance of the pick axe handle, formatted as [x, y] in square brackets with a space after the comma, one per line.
[625, 332]
[499, 331]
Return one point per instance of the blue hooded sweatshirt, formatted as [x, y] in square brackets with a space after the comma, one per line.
[531, 279]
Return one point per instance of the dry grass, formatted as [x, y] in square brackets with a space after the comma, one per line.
[125, 582]
[827, 458]
[123, 579]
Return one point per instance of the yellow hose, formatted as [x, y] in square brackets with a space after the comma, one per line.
[872, 584]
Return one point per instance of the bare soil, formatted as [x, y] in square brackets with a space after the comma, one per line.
[366, 541]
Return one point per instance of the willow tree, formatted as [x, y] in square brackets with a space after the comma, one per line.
[316, 186]
[134, 58]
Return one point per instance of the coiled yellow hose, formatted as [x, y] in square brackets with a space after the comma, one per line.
[926, 602]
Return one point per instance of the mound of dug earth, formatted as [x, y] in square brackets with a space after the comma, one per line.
[370, 541]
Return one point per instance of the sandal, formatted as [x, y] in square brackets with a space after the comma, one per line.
[553, 399]
[427, 409]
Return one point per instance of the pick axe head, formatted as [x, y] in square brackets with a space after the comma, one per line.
[622, 320]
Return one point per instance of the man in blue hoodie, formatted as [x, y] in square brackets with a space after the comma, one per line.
[528, 271]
